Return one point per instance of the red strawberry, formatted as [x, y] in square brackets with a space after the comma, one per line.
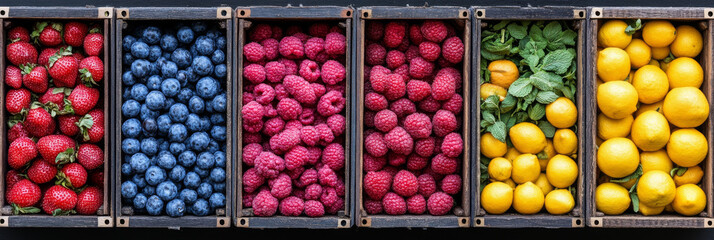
[45, 55]
[13, 77]
[92, 126]
[23, 195]
[94, 43]
[21, 53]
[72, 175]
[89, 201]
[63, 68]
[56, 149]
[74, 33]
[19, 34]
[17, 100]
[21, 152]
[68, 124]
[11, 178]
[78, 55]
[91, 70]
[97, 177]
[41, 171]
[90, 156]
[34, 78]
[39, 122]
[83, 99]
[55, 96]
[59, 200]
[16, 131]
[48, 34]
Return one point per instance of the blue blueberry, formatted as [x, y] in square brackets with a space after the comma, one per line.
[131, 128]
[149, 146]
[205, 160]
[219, 187]
[127, 42]
[178, 113]
[205, 45]
[151, 35]
[139, 92]
[192, 76]
[218, 175]
[178, 133]
[219, 103]
[177, 174]
[155, 68]
[196, 105]
[181, 57]
[218, 133]
[140, 50]
[220, 157]
[202, 66]
[213, 146]
[163, 145]
[169, 69]
[155, 100]
[126, 169]
[182, 77]
[207, 88]
[192, 180]
[200, 208]
[209, 106]
[166, 55]
[198, 141]
[185, 35]
[149, 190]
[167, 190]
[155, 175]
[128, 59]
[204, 190]
[127, 78]
[138, 31]
[154, 205]
[189, 196]
[199, 27]
[221, 42]
[153, 83]
[203, 173]
[170, 87]
[168, 42]
[217, 200]
[166, 160]
[184, 95]
[140, 162]
[220, 71]
[139, 180]
[177, 148]
[154, 53]
[205, 124]
[131, 108]
[140, 201]
[187, 159]
[130, 146]
[129, 189]
[164, 122]
[175, 208]
[126, 94]
[169, 102]
[193, 122]
[213, 33]
[218, 57]
[140, 68]
[150, 127]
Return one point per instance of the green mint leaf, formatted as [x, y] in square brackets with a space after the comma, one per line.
[635, 175]
[520, 87]
[552, 30]
[536, 35]
[557, 61]
[568, 37]
[488, 117]
[517, 31]
[635, 202]
[498, 130]
[508, 103]
[681, 171]
[491, 103]
[546, 81]
[531, 97]
[633, 26]
[547, 128]
[501, 25]
[521, 117]
[546, 97]
[536, 112]
[488, 55]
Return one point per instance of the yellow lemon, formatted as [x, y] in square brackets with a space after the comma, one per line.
[503, 73]
[611, 128]
[565, 141]
[617, 99]
[692, 175]
[525, 168]
[543, 184]
[492, 147]
[687, 147]
[650, 131]
[500, 169]
[611, 199]
[613, 64]
[669, 207]
[640, 54]
[612, 34]
[686, 107]
[511, 154]
[651, 84]
[689, 200]
[488, 89]
[547, 153]
[650, 211]
[688, 42]
[528, 198]
[664, 65]
[657, 160]
[658, 33]
[562, 171]
[496, 197]
[559, 201]
[660, 53]
[561, 113]
[630, 76]
[654, 63]
[618, 157]
[527, 138]
[684, 72]
[647, 107]
[510, 183]
[656, 188]
[629, 183]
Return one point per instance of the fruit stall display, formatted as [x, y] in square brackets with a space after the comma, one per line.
[412, 161]
[651, 126]
[293, 168]
[173, 138]
[531, 115]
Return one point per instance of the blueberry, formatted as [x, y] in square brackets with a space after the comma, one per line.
[168, 42]
[188, 196]
[198, 141]
[164, 122]
[151, 35]
[218, 175]
[184, 95]
[193, 122]
[200, 207]
[167, 190]
[131, 128]
[169, 102]
[209, 106]
[170, 87]
[199, 27]
[140, 162]
[192, 76]
[126, 169]
[177, 133]
[140, 68]
[154, 53]
[205, 124]
[218, 56]
[218, 133]
[202, 66]
[213, 146]
[140, 201]
[217, 200]
[207, 88]
[163, 145]
[126, 94]
[205, 160]
[204, 190]
[155, 175]
[192, 180]
[221, 42]
[220, 157]
[128, 58]
[196, 105]
[182, 77]
[219, 187]
[177, 148]
[177, 174]
[149, 190]
[130, 108]
[220, 71]
[187, 159]
[139, 92]
[153, 83]
[169, 69]
[205, 45]
[128, 189]
[139, 180]
[149, 146]
[213, 34]
[219, 103]
[175, 208]
[166, 160]
[127, 42]
[155, 100]
[185, 35]
[155, 68]
[147, 113]
[154, 205]
[203, 173]
[127, 78]
[150, 127]
[181, 57]
[140, 50]
[130, 146]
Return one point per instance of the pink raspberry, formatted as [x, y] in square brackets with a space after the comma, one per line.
[314, 208]
[337, 124]
[369, 118]
[264, 204]
[302, 36]
[313, 47]
[377, 184]
[394, 204]
[293, 124]
[273, 126]
[335, 43]
[375, 145]
[252, 127]
[403, 71]
[326, 135]
[416, 204]
[425, 147]
[281, 187]
[284, 141]
[307, 117]
[420, 68]
[299, 193]
[295, 157]
[373, 206]
[314, 154]
[270, 46]
[396, 159]
[375, 101]
[289, 109]
[453, 50]
[248, 199]
[339, 205]
[402, 107]
[291, 68]
[429, 105]
[264, 93]
[295, 173]
[255, 73]
[412, 52]
[339, 88]
[454, 104]
[430, 51]
[372, 163]
[252, 112]
[391, 170]
[452, 145]
[250, 152]
[270, 111]
[318, 29]
[375, 54]
[313, 192]
[340, 188]
[293, 29]
[439, 204]
[334, 156]
[291, 206]
[300, 89]
[385, 120]
[434, 30]
[415, 34]
[280, 92]
[254, 52]
[427, 185]
[442, 164]
[405, 184]
[416, 162]
[404, 45]
[252, 180]
[291, 47]
[451, 184]
[274, 71]
[331, 103]
[443, 63]
[309, 135]
[277, 32]
[394, 33]
[395, 59]
[399, 141]
[454, 73]
[327, 177]
[319, 89]
[444, 86]
[260, 32]
[397, 87]
[374, 30]
[309, 70]
[444, 122]
[269, 165]
[333, 72]
[418, 125]
[329, 197]
[417, 90]
[309, 176]
[249, 138]
[378, 79]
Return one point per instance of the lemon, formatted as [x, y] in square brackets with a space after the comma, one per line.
[650, 211]
[543, 184]
[612, 34]
[660, 53]
[669, 208]
[629, 183]
[528, 198]
[561, 113]
[651, 84]
[492, 147]
[525, 168]
[657, 160]
[510, 183]
[611, 199]
[562, 171]
[617, 99]
[687, 147]
[559, 201]
[496, 197]
[511, 154]
[689, 200]
[565, 141]
[664, 65]
[618, 157]
[686, 107]
[654, 63]
[656, 188]
[547, 153]
[684, 72]
[650, 131]
[500, 169]
[658, 33]
[611, 128]
[647, 107]
[488, 89]
[630, 76]
[640, 54]
[692, 175]
[503, 73]
[527, 138]
[613, 64]
[688, 42]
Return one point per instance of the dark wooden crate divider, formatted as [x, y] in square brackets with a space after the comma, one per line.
[576, 218]
[125, 16]
[460, 15]
[698, 16]
[245, 17]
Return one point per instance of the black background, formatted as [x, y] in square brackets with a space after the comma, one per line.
[410, 234]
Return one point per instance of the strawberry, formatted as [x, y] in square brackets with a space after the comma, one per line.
[74, 33]
[59, 200]
[97, 177]
[63, 68]
[21, 152]
[48, 34]
[16, 131]
[39, 122]
[91, 70]
[21, 53]
[19, 34]
[72, 175]
[41, 171]
[92, 126]
[68, 124]
[89, 201]
[90, 156]
[44, 58]
[23, 195]
[83, 99]
[11, 178]
[94, 42]
[13, 77]
[56, 149]
[34, 78]
[17, 99]
[78, 55]
[55, 101]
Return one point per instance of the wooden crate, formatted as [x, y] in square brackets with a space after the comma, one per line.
[125, 17]
[460, 16]
[576, 218]
[26, 15]
[267, 14]
[698, 17]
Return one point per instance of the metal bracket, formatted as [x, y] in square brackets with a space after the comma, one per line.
[105, 222]
[366, 13]
[243, 12]
[4, 12]
[709, 223]
[343, 223]
[122, 13]
[479, 222]
[463, 222]
[480, 13]
[463, 14]
[122, 222]
[105, 12]
[577, 222]
[366, 222]
[709, 13]
[243, 222]
[223, 12]
[597, 13]
[223, 222]
[4, 221]
[596, 222]
[579, 13]
[347, 13]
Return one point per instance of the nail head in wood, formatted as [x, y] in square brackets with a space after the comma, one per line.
[122, 13]
[4, 221]
[223, 222]
[366, 13]
[243, 222]
[122, 222]
[4, 12]
[479, 222]
[365, 222]
[596, 13]
[105, 12]
[347, 13]
[243, 12]
[579, 14]
[463, 14]
[105, 222]
[480, 13]
[463, 222]
[343, 223]
[577, 222]
[709, 13]
[595, 222]
[709, 223]
[223, 12]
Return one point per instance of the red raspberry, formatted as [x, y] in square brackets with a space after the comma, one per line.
[331, 103]
[442, 164]
[307, 117]
[373, 206]
[405, 184]
[314, 208]
[270, 111]
[391, 170]
[371, 163]
[375, 101]
[313, 192]
[269, 165]
[375, 54]
[454, 104]
[248, 199]
[415, 35]
[313, 47]
[270, 46]
[314, 154]
[444, 86]
[334, 156]
[299, 193]
[284, 141]
[254, 52]
[402, 107]
[434, 30]
[252, 112]
[252, 127]
[249, 137]
[453, 50]
[326, 135]
[327, 177]
[333, 72]
[291, 206]
[295, 173]
[444, 122]
[302, 36]
[293, 29]
[416, 204]
[417, 90]
[289, 109]
[291, 47]
[264, 204]
[375, 30]
[255, 73]
[439, 204]
[397, 87]
[404, 45]
[291, 68]
[425, 147]
[318, 29]
[295, 157]
[385, 120]
[412, 52]
[247, 97]
[452, 145]
[251, 152]
[319, 89]
[454, 73]
[416, 162]
[335, 43]
[252, 180]
[451, 184]
[277, 32]
[281, 187]
[429, 105]
[300, 89]
[273, 126]
[403, 71]
[309, 135]
[374, 144]
[260, 32]
[418, 125]
[308, 177]
[430, 51]
[427, 185]
[395, 159]
[339, 205]
[329, 197]
[337, 124]
[274, 71]
[378, 79]
[339, 88]
[395, 59]
[443, 63]
[399, 141]
[369, 118]
[377, 184]
[394, 33]
[341, 189]
[394, 204]
[309, 70]
[420, 68]
[264, 93]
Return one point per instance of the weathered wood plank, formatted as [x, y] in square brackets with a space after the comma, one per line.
[542, 220]
[54, 12]
[639, 221]
[651, 12]
[169, 222]
[528, 13]
[327, 222]
[414, 221]
[166, 13]
[383, 12]
[307, 12]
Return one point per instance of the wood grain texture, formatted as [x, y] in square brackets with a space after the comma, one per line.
[307, 12]
[649, 12]
[327, 222]
[54, 12]
[413, 221]
[173, 223]
[542, 220]
[166, 13]
[528, 13]
[436, 12]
